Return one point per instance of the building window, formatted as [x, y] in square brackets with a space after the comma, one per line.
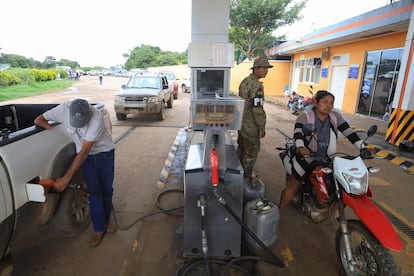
[309, 70]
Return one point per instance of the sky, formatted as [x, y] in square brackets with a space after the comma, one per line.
[99, 32]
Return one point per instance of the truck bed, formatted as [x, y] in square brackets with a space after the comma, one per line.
[16, 120]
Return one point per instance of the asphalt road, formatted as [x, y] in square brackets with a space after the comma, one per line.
[153, 245]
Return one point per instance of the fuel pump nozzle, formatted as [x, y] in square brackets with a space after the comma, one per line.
[214, 162]
[202, 203]
[214, 167]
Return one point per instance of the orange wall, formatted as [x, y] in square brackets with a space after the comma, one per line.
[357, 51]
[277, 77]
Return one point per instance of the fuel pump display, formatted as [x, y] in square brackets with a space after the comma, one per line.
[217, 114]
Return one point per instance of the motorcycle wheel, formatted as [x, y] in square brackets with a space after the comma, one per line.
[292, 110]
[369, 256]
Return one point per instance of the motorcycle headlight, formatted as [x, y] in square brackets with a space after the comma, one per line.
[357, 185]
[119, 100]
[153, 99]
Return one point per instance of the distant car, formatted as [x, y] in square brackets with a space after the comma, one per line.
[172, 81]
[144, 94]
[185, 85]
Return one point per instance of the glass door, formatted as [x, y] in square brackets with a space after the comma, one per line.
[380, 79]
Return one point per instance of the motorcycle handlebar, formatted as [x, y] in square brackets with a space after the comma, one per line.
[365, 154]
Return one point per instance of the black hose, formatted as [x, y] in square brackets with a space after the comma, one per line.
[243, 258]
[169, 211]
[160, 211]
[185, 268]
[277, 260]
[150, 213]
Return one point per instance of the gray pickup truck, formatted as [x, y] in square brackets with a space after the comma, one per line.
[144, 94]
[28, 155]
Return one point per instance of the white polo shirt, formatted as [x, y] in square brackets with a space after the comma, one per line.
[94, 131]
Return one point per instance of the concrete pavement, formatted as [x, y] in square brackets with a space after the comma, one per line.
[382, 148]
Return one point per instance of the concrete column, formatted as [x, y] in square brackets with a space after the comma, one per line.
[401, 122]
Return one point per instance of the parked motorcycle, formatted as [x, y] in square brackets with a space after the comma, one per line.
[300, 103]
[362, 246]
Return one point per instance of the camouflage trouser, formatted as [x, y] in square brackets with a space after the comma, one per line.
[247, 151]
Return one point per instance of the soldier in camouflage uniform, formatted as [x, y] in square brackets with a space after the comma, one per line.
[254, 116]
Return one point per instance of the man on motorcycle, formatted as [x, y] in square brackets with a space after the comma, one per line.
[327, 123]
[292, 98]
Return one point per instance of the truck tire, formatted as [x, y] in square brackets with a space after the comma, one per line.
[183, 88]
[120, 116]
[161, 114]
[72, 215]
[170, 101]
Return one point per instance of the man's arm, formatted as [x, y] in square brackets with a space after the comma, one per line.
[42, 122]
[62, 182]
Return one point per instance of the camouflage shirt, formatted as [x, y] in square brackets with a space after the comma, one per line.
[254, 116]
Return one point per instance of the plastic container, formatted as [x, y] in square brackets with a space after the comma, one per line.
[255, 189]
[263, 220]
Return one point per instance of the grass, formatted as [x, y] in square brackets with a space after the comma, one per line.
[26, 90]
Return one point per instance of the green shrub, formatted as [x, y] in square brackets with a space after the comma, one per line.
[43, 75]
[7, 79]
[62, 72]
[24, 75]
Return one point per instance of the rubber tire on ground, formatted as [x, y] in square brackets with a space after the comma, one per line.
[161, 114]
[292, 110]
[170, 102]
[120, 116]
[72, 215]
[384, 261]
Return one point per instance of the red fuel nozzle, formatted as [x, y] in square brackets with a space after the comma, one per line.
[47, 184]
[214, 167]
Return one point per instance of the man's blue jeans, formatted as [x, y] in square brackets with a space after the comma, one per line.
[98, 170]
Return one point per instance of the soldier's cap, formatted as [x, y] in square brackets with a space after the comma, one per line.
[261, 62]
[80, 113]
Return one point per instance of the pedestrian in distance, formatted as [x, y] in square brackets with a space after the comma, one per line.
[95, 156]
[254, 116]
[100, 78]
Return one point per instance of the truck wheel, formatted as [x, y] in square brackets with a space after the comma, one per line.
[72, 215]
[120, 116]
[161, 114]
[170, 102]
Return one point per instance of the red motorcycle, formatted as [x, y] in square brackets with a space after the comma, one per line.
[362, 246]
[300, 103]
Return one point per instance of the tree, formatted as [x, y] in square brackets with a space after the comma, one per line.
[146, 56]
[18, 61]
[70, 63]
[49, 62]
[253, 21]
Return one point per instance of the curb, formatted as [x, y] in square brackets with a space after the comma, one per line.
[169, 162]
[404, 163]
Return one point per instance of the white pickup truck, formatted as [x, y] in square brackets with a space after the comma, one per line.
[185, 85]
[28, 154]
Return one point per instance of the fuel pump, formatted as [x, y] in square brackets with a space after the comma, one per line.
[212, 164]
[213, 174]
